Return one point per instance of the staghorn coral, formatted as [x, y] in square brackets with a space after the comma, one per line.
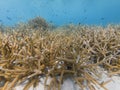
[77, 52]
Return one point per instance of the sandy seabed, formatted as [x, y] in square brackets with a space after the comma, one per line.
[68, 84]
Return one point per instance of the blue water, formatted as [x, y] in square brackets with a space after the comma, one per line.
[59, 12]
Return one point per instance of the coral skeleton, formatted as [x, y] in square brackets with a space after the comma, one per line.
[29, 52]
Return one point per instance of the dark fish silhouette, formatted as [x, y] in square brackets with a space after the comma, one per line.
[102, 18]
[51, 21]
[8, 11]
[8, 18]
[85, 10]
[0, 20]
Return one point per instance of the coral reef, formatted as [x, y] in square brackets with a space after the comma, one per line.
[72, 51]
[38, 23]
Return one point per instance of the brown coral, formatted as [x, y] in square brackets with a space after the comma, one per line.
[77, 52]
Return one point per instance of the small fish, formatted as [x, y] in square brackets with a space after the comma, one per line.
[79, 23]
[7, 10]
[51, 21]
[85, 10]
[8, 18]
[56, 15]
[102, 18]
[0, 20]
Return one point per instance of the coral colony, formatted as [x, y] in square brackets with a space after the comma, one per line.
[36, 50]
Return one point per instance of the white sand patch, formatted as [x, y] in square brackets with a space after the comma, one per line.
[69, 84]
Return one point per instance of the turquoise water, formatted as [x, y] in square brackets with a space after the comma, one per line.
[60, 12]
